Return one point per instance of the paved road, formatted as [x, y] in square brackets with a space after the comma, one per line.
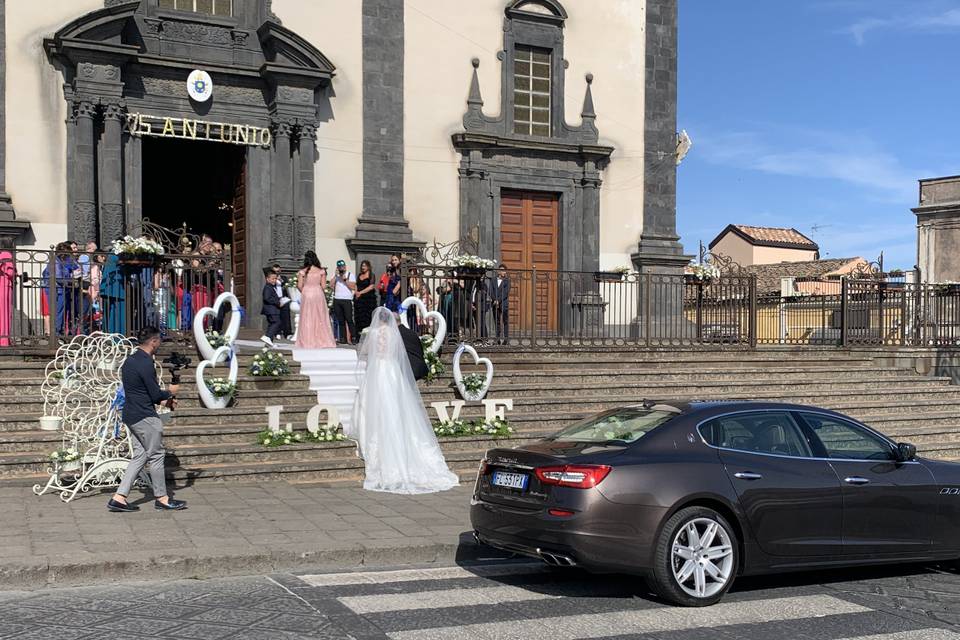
[491, 601]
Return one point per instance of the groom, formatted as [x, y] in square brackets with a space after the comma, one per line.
[414, 348]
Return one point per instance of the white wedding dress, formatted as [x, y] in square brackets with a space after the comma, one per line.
[390, 425]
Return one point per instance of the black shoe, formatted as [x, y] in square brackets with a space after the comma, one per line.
[119, 507]
[172, 505]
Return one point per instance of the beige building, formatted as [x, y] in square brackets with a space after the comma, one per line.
[544, 129]
[747, 245]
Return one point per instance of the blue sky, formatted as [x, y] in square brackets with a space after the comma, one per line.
[819, 115]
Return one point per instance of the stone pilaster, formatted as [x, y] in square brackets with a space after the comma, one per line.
[303, 205]
[112, 220]
[10, 228]
[82, 224]
[382, 228]
[659, 249]
[281, 222]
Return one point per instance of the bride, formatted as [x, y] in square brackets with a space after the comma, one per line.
[390, 425]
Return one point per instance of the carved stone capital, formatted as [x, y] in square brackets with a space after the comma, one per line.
[307, 131]
[282, 127]
[85, 108]
[114, 111]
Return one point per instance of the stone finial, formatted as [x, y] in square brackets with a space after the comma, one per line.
[588, 111]
[475, 98]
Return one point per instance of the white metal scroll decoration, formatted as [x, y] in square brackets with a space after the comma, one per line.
[206, 349]
[438, 321]
[83, 389]
[458, 379]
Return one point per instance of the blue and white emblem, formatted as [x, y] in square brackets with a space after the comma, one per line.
[199, 85]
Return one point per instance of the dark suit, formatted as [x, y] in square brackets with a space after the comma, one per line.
[286, 320]
[414, 348]
[271, 309]
[500, 300]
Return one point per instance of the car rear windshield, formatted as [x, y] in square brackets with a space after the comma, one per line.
[623, 425]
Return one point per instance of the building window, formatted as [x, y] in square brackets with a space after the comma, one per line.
[208, 7]
[531, 91]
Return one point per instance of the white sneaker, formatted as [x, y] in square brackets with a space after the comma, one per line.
[267, 341]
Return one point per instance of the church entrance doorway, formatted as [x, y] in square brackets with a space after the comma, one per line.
[201, 188]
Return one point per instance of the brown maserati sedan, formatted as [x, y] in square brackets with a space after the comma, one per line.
[692, 495]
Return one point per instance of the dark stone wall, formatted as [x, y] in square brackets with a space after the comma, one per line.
[383, 50]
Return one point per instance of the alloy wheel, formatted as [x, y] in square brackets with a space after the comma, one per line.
[702, 557]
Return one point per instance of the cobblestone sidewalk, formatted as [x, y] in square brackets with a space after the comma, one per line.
[229, 529]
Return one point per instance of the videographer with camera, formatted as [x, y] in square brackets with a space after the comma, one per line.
[344, 285]
[142, 394]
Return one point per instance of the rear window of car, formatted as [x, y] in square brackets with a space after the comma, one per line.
[623, 425]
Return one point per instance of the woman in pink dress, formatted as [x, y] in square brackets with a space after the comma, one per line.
[314, 330]
[8, 274]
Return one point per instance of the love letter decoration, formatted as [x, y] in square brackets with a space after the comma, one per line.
[458, 376]
[233, 328]
[436, 316]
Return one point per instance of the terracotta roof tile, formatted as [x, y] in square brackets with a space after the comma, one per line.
[770, 237]
[769, 275]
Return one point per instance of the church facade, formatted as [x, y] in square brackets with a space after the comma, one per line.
[545, 130]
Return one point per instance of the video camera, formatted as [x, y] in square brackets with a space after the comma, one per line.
[175, 363]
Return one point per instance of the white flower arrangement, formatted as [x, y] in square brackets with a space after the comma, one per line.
[269, 363]
[473, 382]
[282, 438]
[462, 428]
[137, 246]
[704, 272]
[65, 455]
[221, 388]
[472, 262]
[217, 339]
[435, 367]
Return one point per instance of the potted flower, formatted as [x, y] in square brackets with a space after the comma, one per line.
[292, 291]
[702, 273]
[613, 275]
[470, 265]
[66, 459]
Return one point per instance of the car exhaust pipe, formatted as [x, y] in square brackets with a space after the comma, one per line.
[556, 559]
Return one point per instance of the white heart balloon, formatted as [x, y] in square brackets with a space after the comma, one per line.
[439, 322]
[209, 400]
[458, 376]
[233, 328]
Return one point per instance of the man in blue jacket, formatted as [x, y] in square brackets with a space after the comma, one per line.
[142, 394]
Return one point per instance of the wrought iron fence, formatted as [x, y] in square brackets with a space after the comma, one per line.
[49, 296]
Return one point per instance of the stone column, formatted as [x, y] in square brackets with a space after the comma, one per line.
[282, 215]
[82, 226]
[382, 228]
[10, 228]
[660, 250]
[112, 222]
[304, 161]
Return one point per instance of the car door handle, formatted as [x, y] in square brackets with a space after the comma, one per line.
[856, 480]
[747, 475]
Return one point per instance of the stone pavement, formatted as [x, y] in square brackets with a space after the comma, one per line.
[229, 529]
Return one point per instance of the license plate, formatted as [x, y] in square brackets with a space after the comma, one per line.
[510, 480]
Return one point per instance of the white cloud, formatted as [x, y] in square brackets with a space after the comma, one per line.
[942, 21]
[842, 157]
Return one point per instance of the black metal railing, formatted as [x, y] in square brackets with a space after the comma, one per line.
[48, 296]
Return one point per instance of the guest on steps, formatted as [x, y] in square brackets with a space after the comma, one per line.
[314, 331]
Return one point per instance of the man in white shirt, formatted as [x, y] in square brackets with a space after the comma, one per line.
[344, 284]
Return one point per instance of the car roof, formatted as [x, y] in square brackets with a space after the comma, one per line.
[716, 407]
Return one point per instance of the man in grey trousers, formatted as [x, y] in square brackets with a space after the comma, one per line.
[142, 394]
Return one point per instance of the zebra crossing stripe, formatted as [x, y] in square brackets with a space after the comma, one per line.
[414, 575]
[661, 619]
[440, 599]
[921, 634]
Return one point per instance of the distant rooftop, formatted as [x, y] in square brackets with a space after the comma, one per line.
[769, 237]
[770, 275]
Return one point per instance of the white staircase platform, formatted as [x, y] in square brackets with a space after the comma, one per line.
[334, 375]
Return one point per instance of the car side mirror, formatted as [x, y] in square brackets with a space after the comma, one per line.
[906, 452]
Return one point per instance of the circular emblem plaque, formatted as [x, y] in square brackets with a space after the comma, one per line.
[200, 85]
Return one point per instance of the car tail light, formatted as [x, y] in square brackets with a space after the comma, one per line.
[578, 476]
[560, 513]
